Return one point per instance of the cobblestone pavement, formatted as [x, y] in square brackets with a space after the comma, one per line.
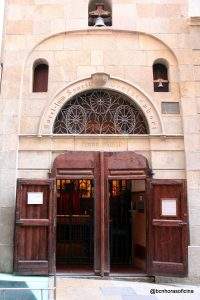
[89, 289]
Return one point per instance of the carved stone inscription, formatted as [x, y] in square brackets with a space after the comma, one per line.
[139, 98]
[100, 144]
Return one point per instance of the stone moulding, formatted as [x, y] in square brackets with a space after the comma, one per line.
[104, 81]
[194, 21]
[99, 31]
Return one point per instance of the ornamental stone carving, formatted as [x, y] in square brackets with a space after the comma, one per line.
[135, 95]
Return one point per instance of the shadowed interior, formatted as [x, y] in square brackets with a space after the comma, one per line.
[127, 226]
[74, 224]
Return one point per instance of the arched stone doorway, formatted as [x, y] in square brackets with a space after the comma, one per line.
[109, 180]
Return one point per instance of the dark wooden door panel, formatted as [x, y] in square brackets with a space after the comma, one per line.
[35, 236]
[37, 247]
[34, 229]
[168, 234]
[33, 267]
[168, 241]
[83, 165]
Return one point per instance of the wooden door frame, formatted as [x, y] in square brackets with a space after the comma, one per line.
[147, 189]
[184, 208]
[138, 169]
[62, 170]
[33, 222]
[100, 167]
[105, 170]
[148, 218]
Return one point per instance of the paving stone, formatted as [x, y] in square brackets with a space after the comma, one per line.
[15, 295]
[91, 289]
[139, 297]
[109, 291]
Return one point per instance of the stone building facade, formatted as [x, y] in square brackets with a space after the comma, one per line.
[81, 57]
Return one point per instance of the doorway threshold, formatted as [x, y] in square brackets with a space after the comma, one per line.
[140, 277]
[76, 274]
[124, 277]
[128, 274]
[74, 271]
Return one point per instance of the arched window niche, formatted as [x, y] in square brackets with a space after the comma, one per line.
[40, 76]
[100, 13]
[100, 111]
[160, 75]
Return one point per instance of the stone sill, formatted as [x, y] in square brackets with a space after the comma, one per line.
[194, 21]
[110, 136]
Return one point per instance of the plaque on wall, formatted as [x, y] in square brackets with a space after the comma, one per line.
[169, 207]
[170, 108]
[35, 198]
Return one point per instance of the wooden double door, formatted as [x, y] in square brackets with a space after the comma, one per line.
[165, 204]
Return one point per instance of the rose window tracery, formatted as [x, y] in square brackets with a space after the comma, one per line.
[100, 112]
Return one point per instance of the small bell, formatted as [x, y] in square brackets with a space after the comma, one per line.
[160, 83]
[99, 22]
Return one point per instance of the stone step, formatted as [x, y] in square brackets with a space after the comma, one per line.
[148, 279]
[144, 278]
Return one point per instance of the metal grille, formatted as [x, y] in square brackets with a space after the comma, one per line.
[100, 112]
[75, 228]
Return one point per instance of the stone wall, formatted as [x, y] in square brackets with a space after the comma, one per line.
[191, 122]
[166, 156]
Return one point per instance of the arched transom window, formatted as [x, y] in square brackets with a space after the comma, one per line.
[100, 112]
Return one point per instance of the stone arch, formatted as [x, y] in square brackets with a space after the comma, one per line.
[39, 61]
[40, 75]
[100, 111]
[129, 159]
[161, 70]
[46, 46]
[91, 30]
[101, 80]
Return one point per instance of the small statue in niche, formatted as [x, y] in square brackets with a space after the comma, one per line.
[100, 17]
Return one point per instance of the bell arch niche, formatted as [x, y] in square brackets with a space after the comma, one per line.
[101, 81]
[100, 111]
[100, 13]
